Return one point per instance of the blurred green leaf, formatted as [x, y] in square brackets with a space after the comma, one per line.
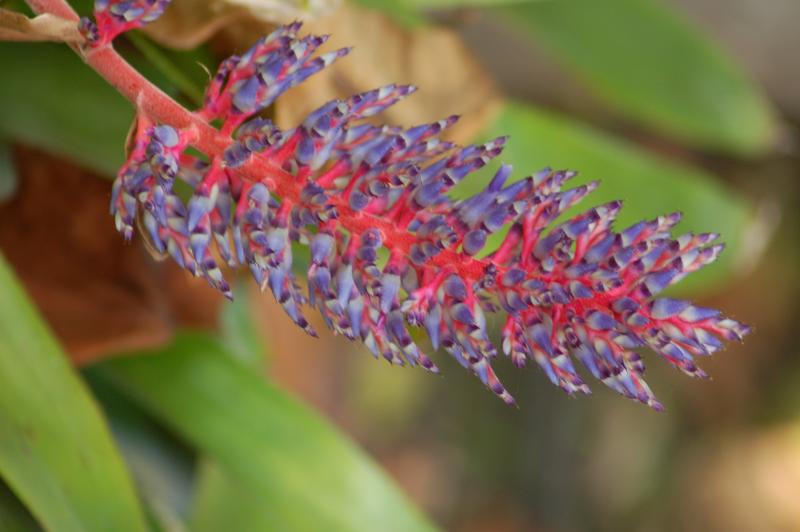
[649, 186]
[439, 4]
[14, 517]
[161, 466]
[401, 10]
[443, 4]
[224, 502]
[51, 100]
[55, 451]
[410, 12]
[85, 120]
[17, 5]
[656, 68]
[239, 333]
[307, 476]
[8, 172]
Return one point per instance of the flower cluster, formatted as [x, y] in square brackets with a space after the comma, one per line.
[391, 250]
[112, 17]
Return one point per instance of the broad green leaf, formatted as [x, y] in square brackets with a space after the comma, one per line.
[649, 185]
[161, 466]
[51, 100]
[14, 517]
[390, 5]
[654, 67]
[400, 10]
[8, 172]
[56, 452]
[239, 332]
[17, 5]
[84, 119]
[410, 12]
[224, 502]
[443, 4]
[307, 475]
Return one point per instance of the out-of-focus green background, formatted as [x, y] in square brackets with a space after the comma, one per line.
[688, 105]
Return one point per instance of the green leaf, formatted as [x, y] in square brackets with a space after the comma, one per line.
[14, 517]
[439, 4]
[307, 476]
[649, 185]
[56, 452]
[410, 12]
[444, 4]
[239, 332]
[224, 502]
[51, 100]
[654, 67]
[402, 11]
[162, 467]
[8, 172]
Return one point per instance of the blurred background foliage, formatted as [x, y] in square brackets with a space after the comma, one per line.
[183, 412]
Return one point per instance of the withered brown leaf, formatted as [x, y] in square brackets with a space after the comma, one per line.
[100, 295]
[433, 58]
[15, 26]
[189, 23]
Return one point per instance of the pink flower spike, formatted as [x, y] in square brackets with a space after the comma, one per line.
[353, 192]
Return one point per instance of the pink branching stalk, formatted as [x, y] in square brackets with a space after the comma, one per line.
[350, 190]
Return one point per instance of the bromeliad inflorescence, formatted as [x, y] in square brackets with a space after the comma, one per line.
[389, 248]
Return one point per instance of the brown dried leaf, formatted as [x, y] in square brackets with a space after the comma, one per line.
[753, 475]
[100, 295]
[435, 59]
[432, 58]
[130, 138]
[188, 23]
[282, 11]
[17, 27]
